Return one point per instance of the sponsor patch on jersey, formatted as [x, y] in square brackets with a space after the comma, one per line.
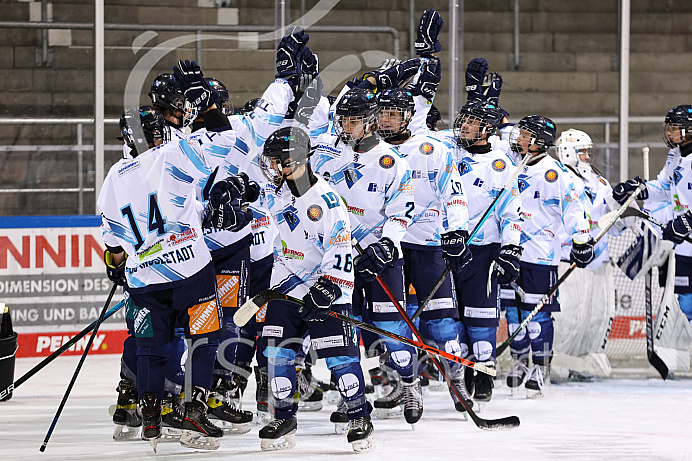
[204, 318]
[603, 181]
[551, 175]
[426, 148]
[128, 167]
[386, 161]
[314, 212]
[499, 165]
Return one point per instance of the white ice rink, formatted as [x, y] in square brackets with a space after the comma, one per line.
[615, 419]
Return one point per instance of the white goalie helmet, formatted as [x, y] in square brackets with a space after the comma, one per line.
[570, 145]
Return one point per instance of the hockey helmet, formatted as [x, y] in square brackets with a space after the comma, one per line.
[287, 147]
[394, 102]
[677, 125]
[225, 101]
[532, 130]
[357, 108]
[477, 121]
[142, 128]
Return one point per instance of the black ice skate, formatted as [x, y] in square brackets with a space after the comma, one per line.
[517, 374]
[483, 387]
[387, 406]
[279, 434]
[413, 401]
[262, 397]
[125, 412]
[459, 389]
[360, 434]
[539, 379]
[151, 418]
[198, 430]
[221, 407]
[172, 415]
[310, 396]
[340, 418]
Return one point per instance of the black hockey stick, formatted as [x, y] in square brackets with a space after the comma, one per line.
[651, 354]
[42, 364]
[546, 298]
[79, 367]
[502, 424]
[480, 223]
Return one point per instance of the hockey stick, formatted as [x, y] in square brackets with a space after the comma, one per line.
[651, 354]
[79, 367]
[632, 212]
[546, 298]
[42, 364]
[480, 224]
[501, 424]
[254, 304]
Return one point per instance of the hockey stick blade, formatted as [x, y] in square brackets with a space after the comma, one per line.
[635, 213]
[248, 310]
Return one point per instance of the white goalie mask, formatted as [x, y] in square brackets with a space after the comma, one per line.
[570, 145]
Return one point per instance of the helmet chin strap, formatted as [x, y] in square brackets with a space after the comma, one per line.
[399, 137]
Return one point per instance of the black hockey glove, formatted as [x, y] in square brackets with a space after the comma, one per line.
[374, 259]
[198, 92]
[227, 207]
[475, 73]
[237, 186]
[428, 79]
[428, 32]
[677, 229]
[582, 253]
[507, 264]
[395, 75]
[289, 55]
[455, 250]
[116, 274]
[623, 190]
[493, 80]
[310, 62]
[319, 299]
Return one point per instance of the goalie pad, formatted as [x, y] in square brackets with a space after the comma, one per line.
[672, 330]
[647, 250]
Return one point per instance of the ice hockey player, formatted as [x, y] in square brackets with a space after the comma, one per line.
[484, 172]
[150, 211]
[548, 197]
[374, 181]
[670, 190]
[315, 263]
[437, 234]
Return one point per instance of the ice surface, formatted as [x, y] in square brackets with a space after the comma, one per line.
[615, 419]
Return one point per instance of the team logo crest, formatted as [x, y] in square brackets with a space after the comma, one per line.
[676, 177]
[426, 148]
[314, 212]
[326, 175]
[551, 175]
[386, 161]
[522, 183]
[463, 167]
[351, 177]
[499, 165]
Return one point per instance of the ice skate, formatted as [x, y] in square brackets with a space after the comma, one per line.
[360, 434]
[151, 418]
[460, 389]
[172, 416]
[198, 430]
[125, 413]
[340, 418]
[332, 395]
[381, 379]
[517, 374]
[263, 416]
[221, 407]
[279, 434]
[539, 379]
[309, 396]
[413, 401]
[389, 406]
[483, 389]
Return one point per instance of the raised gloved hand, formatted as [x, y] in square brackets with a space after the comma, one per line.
[395, 75]
[475, 73]
[116, 274]
[455, 250]
[677, 229]
[310, 63]
[623, 190]
[375, 258]
[227, 207]
[198, 92]
[492, 87]
[289, 57]
[308, 96]
[319, 299]
[507, 264]
[428, 32]
[582, 253]
[428, 79]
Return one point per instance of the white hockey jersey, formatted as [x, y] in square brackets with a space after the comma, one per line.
[375, 185]
[149, 207]
[672, 186]
[440, 202]
[315, 240]
[549, 199]
[483, 177]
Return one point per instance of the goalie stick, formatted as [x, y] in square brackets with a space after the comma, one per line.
[509, 422]
[43, 363]
[480, 223]
[604, 230]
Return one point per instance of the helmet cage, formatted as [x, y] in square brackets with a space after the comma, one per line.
[367, 122]
[404, 116]
[462, 134]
